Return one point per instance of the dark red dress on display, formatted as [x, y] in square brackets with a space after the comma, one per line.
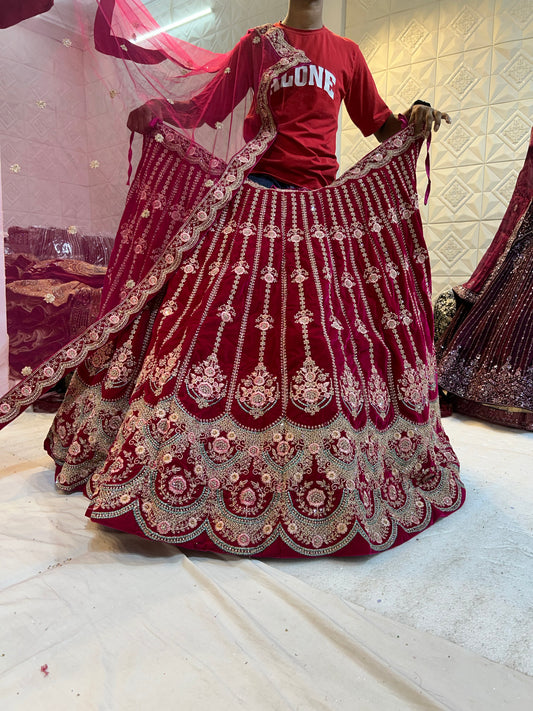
[486, 354]
[262, 379]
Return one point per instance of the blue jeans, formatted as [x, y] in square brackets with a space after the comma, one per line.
[267, 181]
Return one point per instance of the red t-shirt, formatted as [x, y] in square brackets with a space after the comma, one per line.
[306, 101]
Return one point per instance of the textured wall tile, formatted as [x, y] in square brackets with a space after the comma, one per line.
[73, 167]
[373, 41]
[508, 129]
[513, 20]
[99, 101]
[361, 11]
[70, 100]
[12, 119]
[463, 142]
[413, 35]
[456, 195]
[12, 150]
[14, 192]
[407, 84]
[408, 5]
[464, 26]
[76, 205]
[463, 79]
[442, 283]
[68, 63]
[43, 196]
[453, 247]
[487, 232]
[512, 71]
[42, 125]
[498, 185]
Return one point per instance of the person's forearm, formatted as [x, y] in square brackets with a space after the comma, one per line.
[391, 126]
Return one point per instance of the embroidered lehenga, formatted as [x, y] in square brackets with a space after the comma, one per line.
[262, 378]
[486, 354]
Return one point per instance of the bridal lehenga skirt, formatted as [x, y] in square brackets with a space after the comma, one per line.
[277, 394]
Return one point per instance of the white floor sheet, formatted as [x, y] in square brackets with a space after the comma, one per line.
[92, 619]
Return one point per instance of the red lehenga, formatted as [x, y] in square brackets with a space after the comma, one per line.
[262, 379]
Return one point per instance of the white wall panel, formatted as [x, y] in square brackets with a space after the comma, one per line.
[475, 60]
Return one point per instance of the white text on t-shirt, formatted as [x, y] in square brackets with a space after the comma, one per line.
[306, 75]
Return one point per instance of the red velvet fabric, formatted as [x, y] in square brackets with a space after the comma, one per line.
[277, 396]
[14, 11]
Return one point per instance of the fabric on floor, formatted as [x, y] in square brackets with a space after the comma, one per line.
[95, 619]
[469, 579]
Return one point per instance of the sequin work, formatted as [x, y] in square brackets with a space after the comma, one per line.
[279, 397]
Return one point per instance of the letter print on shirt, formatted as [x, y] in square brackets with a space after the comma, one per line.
[307, 75]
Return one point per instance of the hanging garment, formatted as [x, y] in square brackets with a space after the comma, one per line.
[485, 355]
[14, 11]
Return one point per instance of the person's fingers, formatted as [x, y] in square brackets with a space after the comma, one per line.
[428, 120]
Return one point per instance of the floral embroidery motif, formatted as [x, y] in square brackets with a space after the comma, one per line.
[372, 275]
[258, 392]
[348, 281]
[299, 275]
[240, 268]
[264, 322]
[406, 444]
[206, 382]
[269, 275]
[392, 270]
[352, 393]
[191, 265]
[304, 317]
[413, 388]
[421, 255]
[310, 388]
[226, 312]
[378, 394]
[390, 320]
[295, 235]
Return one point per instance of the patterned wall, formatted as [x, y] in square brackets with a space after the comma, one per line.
[474, 59]
[43, 140]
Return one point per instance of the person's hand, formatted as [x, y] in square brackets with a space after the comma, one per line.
[426, 118]
[140, 119]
